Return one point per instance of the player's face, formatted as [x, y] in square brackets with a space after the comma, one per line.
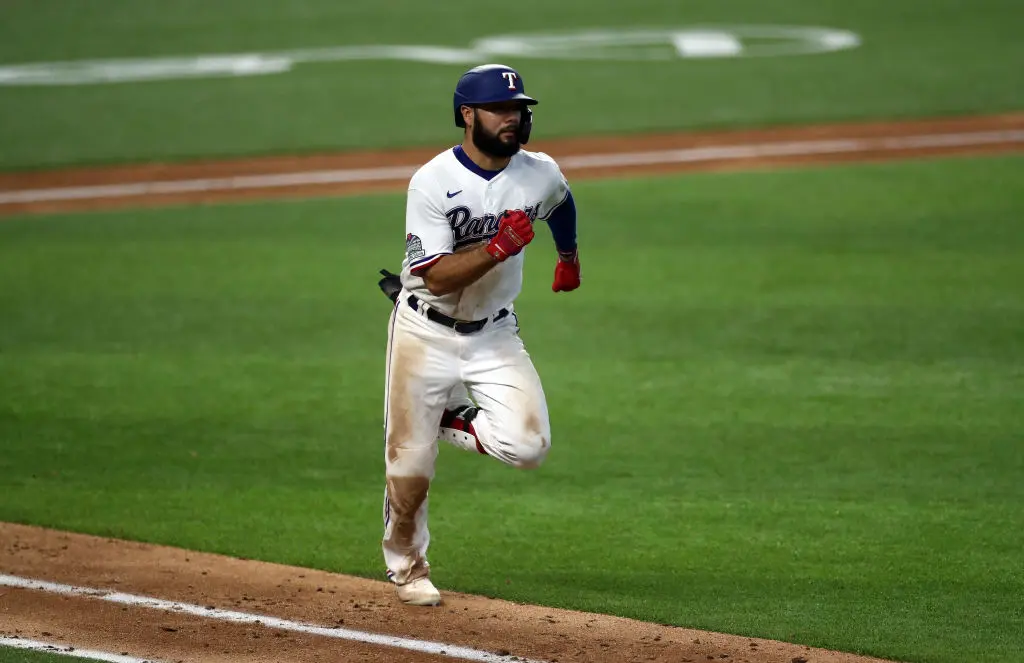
[496, 128]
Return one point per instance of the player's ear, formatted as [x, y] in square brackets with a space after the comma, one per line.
[468, 115]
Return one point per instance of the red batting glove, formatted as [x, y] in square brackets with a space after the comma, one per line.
[514, 232]
[567, 271]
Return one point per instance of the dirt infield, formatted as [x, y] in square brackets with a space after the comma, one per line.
[301, 615]
[501, 630]
[353, 173]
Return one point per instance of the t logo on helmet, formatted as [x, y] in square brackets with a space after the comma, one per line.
[511, 77]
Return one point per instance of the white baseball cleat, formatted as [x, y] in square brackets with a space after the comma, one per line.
[419, 592]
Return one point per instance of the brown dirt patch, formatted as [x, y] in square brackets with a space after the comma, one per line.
[317, 597]
[156, 184]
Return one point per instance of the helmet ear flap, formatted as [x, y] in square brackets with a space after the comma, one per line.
[525, 126]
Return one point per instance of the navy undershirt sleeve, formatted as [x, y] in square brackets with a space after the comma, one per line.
[562, 222]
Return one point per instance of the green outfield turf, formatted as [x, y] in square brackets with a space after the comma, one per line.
[11, 655]
[784, 404]
[918, 57]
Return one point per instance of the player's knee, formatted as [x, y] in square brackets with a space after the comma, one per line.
[532, 450]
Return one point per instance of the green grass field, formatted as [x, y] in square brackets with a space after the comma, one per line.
[918, 57]
[11, 655]
[784, 404]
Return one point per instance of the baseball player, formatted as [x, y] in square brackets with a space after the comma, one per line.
[456, 367]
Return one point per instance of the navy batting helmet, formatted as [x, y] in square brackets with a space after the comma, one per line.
[493, 83]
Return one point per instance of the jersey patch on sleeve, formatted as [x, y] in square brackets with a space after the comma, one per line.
[414, 247]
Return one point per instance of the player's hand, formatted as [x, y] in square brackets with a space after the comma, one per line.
[514, 232]
[567, 271]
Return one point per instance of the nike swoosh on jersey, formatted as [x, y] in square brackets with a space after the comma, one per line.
[452, 195]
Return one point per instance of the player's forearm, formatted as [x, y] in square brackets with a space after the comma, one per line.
[562, 222]
[458, 270]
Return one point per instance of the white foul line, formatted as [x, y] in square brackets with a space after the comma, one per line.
[424, 646]
[793, 149]
[240, 182]
[581, 162]
[64, 650]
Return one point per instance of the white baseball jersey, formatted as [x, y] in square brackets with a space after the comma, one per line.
[454, 204]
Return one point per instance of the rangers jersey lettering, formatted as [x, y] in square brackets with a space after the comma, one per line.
[453, 204]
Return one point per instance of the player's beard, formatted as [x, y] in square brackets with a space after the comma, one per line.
[492, 144]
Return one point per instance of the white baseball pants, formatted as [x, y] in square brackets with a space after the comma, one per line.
[431, 367]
